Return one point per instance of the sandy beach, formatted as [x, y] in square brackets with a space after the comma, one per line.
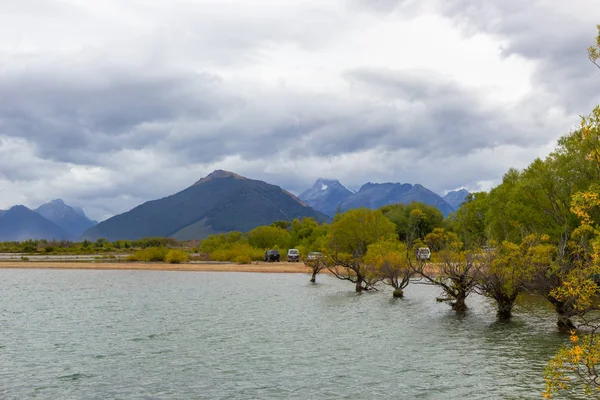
[281, 267]
[261, 267]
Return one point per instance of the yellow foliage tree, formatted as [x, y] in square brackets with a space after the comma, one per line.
[505, 271]
[389, 260]
[578, 363]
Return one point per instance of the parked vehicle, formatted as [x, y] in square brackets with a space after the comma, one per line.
[423, 254]
[272, 255]
[293, 255]
[314, 256]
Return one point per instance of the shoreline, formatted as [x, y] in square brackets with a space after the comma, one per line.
[261, 267]
[194, 266]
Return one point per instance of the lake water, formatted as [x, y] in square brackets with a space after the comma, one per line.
[205, 335]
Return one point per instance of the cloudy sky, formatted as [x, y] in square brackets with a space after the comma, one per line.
[109, 103]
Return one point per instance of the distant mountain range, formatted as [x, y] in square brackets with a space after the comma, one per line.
[220, 202]
[330, 196]
[20, 223]
[54, 220]
[72, 219]
[326, 195]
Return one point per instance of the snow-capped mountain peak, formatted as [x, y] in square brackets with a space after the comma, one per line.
[326, 195]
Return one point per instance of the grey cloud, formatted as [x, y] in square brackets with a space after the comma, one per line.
[445, 117]
[556, 35]
[200, 118]
[78, 119]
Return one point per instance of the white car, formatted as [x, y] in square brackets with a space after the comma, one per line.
[293, 255]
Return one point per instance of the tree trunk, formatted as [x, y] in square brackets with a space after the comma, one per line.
[504, 310]
[398, 293]
[313, 278]
[564, 323]
[564, 317]
[359, 281]
[459, 304]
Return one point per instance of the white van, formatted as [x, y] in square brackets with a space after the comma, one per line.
[423, 254]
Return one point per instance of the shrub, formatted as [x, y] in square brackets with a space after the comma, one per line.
[243, 259]
[177, 256]
[220, 241]
[150, 254]
[238, 249]
[150, 242]
[29, 248]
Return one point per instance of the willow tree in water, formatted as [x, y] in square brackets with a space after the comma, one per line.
[503, 273]
[389, 261]
[316, 265]
[349, 237]
[456, 272]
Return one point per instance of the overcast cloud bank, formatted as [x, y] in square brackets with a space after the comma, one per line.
[110, 104]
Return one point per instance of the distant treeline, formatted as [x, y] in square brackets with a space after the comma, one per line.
[99, 246]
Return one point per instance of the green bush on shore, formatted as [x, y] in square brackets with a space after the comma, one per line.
[177, 256]
[237, 250]
[243, 259]
[156, 254]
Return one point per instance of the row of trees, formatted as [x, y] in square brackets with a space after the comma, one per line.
[99, 246]
[538, 231]
[362, 247]
[414, 221]
[556, 202]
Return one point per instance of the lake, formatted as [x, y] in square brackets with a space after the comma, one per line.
[73, 334]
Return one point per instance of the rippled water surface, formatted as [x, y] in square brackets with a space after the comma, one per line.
[183, 335]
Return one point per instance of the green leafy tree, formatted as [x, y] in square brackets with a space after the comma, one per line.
[469, 221]
[581, 152]
[308, 235]
[282, 224]
[413, 221]
[439, 239]
[349, 237]
[265, 237]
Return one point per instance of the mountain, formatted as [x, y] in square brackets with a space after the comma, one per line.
[72, 220]
[375, 195]
[326, 195]
[456, 197]
[20, 223]
[220, 202]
